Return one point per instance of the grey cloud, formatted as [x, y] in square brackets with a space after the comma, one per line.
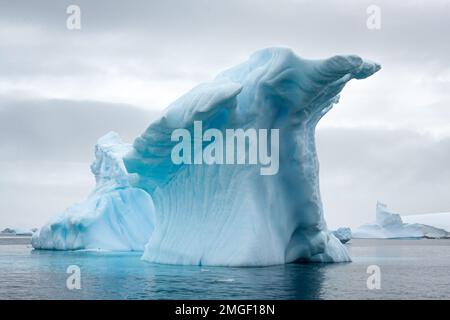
[33, 192]
[359, 166]
[63, 130]
[46, 147]
[200, 32]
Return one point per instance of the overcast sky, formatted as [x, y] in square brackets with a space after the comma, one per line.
[388, 139]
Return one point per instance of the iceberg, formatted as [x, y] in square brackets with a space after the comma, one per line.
[390, 225]
[16, 232]
[115, 216]
[215, 213]
[343, 234]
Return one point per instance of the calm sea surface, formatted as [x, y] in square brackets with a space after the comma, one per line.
[410, 269]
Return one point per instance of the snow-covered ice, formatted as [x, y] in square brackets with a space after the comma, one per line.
[439, 220]
[220, 214]
[389, 225]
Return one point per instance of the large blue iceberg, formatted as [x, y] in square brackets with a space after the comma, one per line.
[219, 214]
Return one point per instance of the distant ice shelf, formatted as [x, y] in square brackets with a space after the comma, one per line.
[438, 220]
[389, 225]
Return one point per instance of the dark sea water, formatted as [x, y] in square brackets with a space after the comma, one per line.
[409, 269]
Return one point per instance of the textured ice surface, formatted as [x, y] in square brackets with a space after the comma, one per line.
[224, 214]
[391, 225]
[115, 216]
[344, 234]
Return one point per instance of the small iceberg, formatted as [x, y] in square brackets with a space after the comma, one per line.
[344, 234]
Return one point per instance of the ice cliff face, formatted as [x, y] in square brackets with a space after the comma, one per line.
[390, 225]
[228, 214]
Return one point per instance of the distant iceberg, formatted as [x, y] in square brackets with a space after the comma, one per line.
[16, 232]
[228, 215]
[389, 225]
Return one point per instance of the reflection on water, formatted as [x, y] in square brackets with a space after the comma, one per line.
[410, 269]
[123, 275]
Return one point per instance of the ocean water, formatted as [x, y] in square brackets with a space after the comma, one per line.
[409, 269]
